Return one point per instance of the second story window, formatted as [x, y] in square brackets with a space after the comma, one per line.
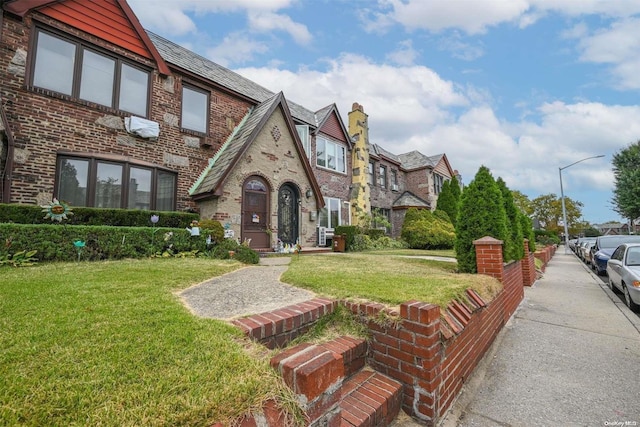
[372, 175]
[330, 155]
[195, 109]
[303, 133]
[382, 177]
[438, 180]
[74, 69]
[394, 180]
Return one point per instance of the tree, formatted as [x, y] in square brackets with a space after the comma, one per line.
[548, 210]
[513, 246]
[626, 170]
[522, 202]
[481, 214]
[447, 203]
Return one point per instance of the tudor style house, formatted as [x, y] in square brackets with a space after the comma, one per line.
[96, 111]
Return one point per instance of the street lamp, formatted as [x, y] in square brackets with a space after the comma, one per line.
[564, 210]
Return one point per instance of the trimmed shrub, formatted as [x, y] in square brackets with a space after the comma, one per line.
[423, 229]
[213, 228]
[55, 242]
[481, 214]
[349, 231]
[32, 214]
[527, 230]
[546, 237]
[513, 246]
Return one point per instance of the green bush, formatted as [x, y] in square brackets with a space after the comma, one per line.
[213, 228]
[481, 214]
[514, 245]
[363, 242]
[55, 242]
[545, 237]
[423, 229]
[242, 253]
[349, 231]
[375, 233]
[32, 214]
[527, 230]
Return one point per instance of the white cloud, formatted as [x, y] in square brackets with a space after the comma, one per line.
[405, 54]
[617, 46]
[268, 21]
[476, 16]
[460, 49]
[235, 48]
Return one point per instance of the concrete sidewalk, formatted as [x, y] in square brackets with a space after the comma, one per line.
[570, 356]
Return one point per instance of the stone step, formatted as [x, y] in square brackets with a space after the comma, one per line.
[370, 399]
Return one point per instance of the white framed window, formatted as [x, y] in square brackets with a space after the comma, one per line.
[330, 215]
[372, 174]
[330, 155]
[303, 133]
[195, 109]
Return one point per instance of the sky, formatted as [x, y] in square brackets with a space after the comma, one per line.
[523, 87]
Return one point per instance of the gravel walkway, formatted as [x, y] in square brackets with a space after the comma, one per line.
[247, 291]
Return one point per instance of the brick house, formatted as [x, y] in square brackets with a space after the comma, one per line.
[389, 183]
[98, 112]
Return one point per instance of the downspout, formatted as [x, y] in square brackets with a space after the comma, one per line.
[7, 171]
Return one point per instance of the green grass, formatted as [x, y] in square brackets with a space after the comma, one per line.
[110, 344]
[387, 279]
[447, 253]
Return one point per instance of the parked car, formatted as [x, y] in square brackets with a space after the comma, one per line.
[623, 269]
[586, 251]
[604, 247]
[582, 244]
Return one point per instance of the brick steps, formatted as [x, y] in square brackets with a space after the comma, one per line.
[370, 399]
[334, 387]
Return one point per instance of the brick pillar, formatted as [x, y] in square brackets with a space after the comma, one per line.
[489, 257]
[528, 266]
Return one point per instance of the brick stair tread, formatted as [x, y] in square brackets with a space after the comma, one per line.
[370, 399]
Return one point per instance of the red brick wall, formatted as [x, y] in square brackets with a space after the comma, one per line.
[433, 353]
[44, 123]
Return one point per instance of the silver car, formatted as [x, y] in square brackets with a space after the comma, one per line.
[623, 269]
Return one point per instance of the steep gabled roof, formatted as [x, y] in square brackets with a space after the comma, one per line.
[212, 179]
[324, 116]
[110, 20]
[410, 200]
[209, 70]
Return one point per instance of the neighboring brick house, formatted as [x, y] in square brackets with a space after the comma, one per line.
[389, 183]
[98, 112]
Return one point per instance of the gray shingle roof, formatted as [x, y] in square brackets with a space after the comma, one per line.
[379, 151]
[408, 199]
[203, 67]
[224, 159]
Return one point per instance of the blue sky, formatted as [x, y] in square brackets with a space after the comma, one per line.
[521, 86]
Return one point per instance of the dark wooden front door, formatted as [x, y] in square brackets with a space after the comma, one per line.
[288, 210]
[255, 213]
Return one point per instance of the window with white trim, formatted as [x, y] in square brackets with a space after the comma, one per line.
[330, 155]
[99, 76]
[382, 176]
[438, 180]
[303, 133]
[330, 216]
[372, 175]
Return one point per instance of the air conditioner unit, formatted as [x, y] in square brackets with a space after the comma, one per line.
[394, 187]
[322, 236]
[142, 127]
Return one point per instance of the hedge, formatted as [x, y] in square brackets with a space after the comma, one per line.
[32, 214]
[55, 242]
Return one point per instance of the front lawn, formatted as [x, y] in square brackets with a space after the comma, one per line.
[110, 344]
[386, 278]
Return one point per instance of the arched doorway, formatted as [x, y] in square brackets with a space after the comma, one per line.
[288, 214]
[255, 212]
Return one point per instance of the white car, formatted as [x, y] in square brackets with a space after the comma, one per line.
[623, 269]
